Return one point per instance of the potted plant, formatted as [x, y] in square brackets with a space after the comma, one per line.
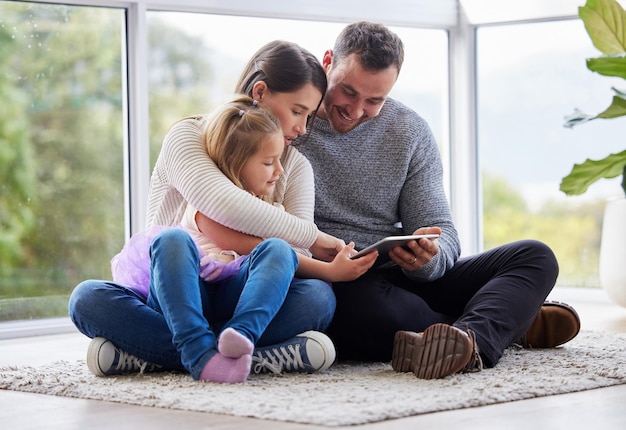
[605, 22]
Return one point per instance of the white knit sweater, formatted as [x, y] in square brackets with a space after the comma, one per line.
[184, 174]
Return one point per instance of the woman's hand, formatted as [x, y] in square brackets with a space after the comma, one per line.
[326, 247]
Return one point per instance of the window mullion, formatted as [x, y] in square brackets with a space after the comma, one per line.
[138, 145]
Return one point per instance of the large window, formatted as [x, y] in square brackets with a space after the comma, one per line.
[530, 76]
[65, 112]
[62, 125]
[61, 140]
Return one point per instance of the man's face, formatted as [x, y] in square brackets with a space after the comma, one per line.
[354, 95]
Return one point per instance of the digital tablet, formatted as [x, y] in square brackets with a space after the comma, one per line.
[384, 245]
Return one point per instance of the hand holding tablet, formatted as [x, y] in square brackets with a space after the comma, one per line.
[385, 245]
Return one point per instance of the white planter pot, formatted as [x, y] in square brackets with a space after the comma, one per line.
[613, 251]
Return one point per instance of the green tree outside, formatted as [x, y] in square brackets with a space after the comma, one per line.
[61, 144]
[17, 171]
[572, 232]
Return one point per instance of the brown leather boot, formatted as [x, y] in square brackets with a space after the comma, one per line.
[555, 324]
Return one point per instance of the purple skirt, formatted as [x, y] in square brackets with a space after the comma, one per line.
[131, 266]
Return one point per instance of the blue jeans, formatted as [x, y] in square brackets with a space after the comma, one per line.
[178, 325]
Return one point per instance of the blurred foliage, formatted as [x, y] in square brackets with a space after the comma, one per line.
[17, 170]
[63, 68]
[61, 142]
[573, 232]
[180, 79]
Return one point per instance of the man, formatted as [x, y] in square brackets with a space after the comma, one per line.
[378, 173]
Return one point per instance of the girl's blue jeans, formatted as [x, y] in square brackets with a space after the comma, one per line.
[177, 327]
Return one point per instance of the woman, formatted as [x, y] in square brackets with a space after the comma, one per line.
[216, 324]
[128, 334]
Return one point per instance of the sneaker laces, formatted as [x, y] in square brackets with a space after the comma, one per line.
[127, 362]
[276, 359]
[475, 363]
[263, 364]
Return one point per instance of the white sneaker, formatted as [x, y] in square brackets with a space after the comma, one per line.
[104, 358]
[308, 352]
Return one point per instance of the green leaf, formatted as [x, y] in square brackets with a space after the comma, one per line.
[608, 66]
[617, 108]
[585, 174]
[605, 22]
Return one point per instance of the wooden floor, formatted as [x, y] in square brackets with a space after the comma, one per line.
[594, 409]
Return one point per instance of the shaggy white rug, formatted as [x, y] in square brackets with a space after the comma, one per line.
[346, 394]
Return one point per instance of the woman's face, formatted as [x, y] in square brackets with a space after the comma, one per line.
[292, 109]
[261, 171]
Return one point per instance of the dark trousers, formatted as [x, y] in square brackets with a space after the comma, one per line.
[497, 294]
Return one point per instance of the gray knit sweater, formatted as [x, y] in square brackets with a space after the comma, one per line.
[383, 178]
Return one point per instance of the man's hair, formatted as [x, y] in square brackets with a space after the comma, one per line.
[375, 46]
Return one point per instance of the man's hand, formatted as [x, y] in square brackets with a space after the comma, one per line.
[420, 251]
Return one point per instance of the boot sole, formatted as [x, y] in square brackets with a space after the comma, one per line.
[440, 351]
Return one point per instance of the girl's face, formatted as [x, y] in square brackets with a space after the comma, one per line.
[260, 173]
[292, 109]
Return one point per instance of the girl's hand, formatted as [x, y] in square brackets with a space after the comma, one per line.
[343, 268]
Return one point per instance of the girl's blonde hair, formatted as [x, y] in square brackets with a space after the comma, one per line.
[235, 132]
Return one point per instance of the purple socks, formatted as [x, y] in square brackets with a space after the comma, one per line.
[233, 344]
[227, 370]
[232, 363]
